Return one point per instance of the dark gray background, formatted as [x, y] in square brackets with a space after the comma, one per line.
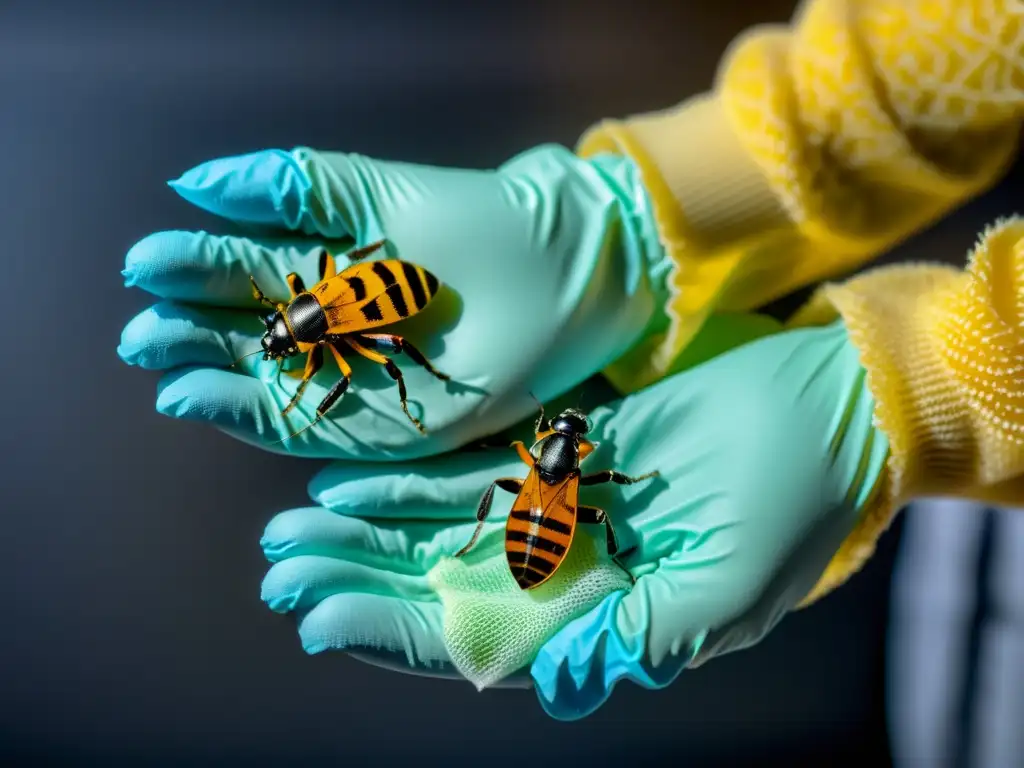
[133, 630]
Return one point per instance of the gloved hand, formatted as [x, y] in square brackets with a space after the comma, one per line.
[551, 264]
[767, 454]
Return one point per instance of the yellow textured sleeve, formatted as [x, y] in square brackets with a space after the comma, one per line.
[822, 144]
[943, 349]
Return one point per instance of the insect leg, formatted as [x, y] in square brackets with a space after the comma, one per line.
[362, 253]
[611, 476]
[261, 297]
[510, 484]
[595, 516]
[389, 342]
[585, 514]
[327, 267]
[333, 395]
[314, 363]
[338, 389]
[393, 371]
[524, 452]
[295, 284]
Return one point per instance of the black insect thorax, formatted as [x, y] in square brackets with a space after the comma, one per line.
[559, 455]
[307, 318]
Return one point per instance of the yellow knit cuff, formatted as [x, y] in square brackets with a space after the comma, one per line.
[823, 144]
[944, 355]
[705, 192]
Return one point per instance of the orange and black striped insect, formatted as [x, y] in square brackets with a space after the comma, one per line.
[338, 311]
[541, 525]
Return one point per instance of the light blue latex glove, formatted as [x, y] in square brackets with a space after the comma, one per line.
[767, 455]
[551, 266]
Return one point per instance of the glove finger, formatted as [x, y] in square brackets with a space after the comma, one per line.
[446, 487]
[214, 269]
[297, 190]
[298, 583]
[362, 622]
[168, 335]
[403, 546]
[240, 405]
[249, 409]
[386, 631]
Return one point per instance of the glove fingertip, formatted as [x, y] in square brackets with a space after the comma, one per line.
[172, 395]
[577, 669]
[293, 584]
[264, 187]
[276, 602]
[207, 394]
[295, 530]
[570, 659]
[154, 258]
[133, 339]
[314, 648]
[318, 635]
[319, 485]
[326, 626]
[566, 699]
[340, 486]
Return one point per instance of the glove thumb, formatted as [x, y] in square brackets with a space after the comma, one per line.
[626, 637]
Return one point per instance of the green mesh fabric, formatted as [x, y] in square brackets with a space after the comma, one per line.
[492, 627]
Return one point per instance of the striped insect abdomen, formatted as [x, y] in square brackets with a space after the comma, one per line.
[539, 529]
[379, 293]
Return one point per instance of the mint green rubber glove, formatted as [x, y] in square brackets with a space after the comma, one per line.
[767, 455]
[550, 265]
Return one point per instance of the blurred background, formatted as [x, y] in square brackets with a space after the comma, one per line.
[132, 631]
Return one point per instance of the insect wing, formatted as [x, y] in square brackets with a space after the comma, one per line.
[540, 528]
[374, 294]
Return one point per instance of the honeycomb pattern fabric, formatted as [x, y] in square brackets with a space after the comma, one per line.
[944, 353]
[492, 627]
[823, 144]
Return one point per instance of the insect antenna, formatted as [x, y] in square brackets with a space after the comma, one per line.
[540, 418]
[250, 354]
